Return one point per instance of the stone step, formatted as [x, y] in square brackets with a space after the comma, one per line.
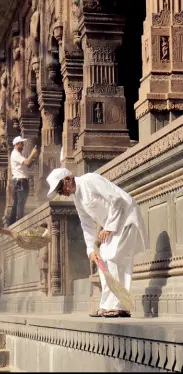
[6, 369]
[4, 358]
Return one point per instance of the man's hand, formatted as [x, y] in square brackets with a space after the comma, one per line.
[34, 152]
[104, 235]
[93, 257]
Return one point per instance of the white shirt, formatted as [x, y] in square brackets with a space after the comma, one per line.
[18, 168]
[97, 199]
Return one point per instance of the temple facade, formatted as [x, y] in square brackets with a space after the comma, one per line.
[63, 78]
[103, 81]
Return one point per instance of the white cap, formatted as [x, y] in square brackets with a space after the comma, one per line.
[54, 178]
[18, 139]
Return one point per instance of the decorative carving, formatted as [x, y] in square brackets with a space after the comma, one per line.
[52, 65]
[167, 354]
[98, 113]
[43, 265]
[31, 185]
[163, 18]
[152, 151]
[146, 47]
[75, 122]
[3, 105]
[76, 12]
[173, 183]
[164, 48]
[49, 22]
[55, 258]
[51, 163]
[75, 141]
[34, 29]
[91, 5]
[16, 73]
[105, 89]
[178, 19]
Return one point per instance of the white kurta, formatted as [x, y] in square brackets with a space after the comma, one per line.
[97, 199]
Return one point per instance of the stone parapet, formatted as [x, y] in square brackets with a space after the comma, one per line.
[51, 270]
[128, 345]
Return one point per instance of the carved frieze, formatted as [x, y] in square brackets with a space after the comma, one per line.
[163, 18]
[105, 89]
[178, 19]
[152, 151]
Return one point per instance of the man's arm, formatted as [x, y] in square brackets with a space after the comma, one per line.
[89, 229]
[107, 190]
[27, 161]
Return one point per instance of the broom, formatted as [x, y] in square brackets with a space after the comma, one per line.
[33, 239]
[114, 285]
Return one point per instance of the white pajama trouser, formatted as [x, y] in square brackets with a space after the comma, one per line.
[120, 265]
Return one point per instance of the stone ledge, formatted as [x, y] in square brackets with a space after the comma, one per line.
[156, 342]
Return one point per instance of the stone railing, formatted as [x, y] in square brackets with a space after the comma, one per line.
[50, 270]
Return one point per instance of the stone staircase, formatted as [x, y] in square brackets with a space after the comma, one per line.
[4, 355]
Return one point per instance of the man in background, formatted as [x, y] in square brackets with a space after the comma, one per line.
[19, 168]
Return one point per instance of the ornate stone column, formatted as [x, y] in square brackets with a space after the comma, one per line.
[160, 93]
[49, 158]
[55, 259]
[72, 71]
[3, 178]
[103, 132]
[30, 127]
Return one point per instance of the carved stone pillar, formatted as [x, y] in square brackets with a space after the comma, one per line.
[43, 266]
[9, 192]
[30, 127]
[160, 93]
[3, 179]
[72, 71]
[49, 158]
[103, 132]
[55, 259]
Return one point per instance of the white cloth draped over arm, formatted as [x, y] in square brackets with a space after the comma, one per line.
[89, 230]
[111, 193]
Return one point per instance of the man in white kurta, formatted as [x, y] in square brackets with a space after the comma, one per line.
[123, 235]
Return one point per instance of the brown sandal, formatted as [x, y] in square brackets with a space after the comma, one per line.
[98, 313]
[116, 313]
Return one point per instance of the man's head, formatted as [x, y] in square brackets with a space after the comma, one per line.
[18, 143]
[61, 181]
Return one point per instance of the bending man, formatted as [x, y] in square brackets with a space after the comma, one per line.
[123, 234]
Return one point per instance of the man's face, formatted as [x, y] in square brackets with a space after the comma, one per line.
[20, 146]
[66, 186]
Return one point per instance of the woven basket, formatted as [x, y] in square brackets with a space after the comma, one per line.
[33, 239]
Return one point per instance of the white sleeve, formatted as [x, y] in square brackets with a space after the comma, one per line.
[19, 158]
[111, 193]
[89, 229]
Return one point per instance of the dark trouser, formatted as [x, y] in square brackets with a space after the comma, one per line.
[20, 194]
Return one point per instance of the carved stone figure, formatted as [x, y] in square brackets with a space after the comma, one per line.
[34, 28]
[16, 65]
[98, 113]
[164, 48]
[146, 51]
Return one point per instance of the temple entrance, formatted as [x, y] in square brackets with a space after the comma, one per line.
[130, 59]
